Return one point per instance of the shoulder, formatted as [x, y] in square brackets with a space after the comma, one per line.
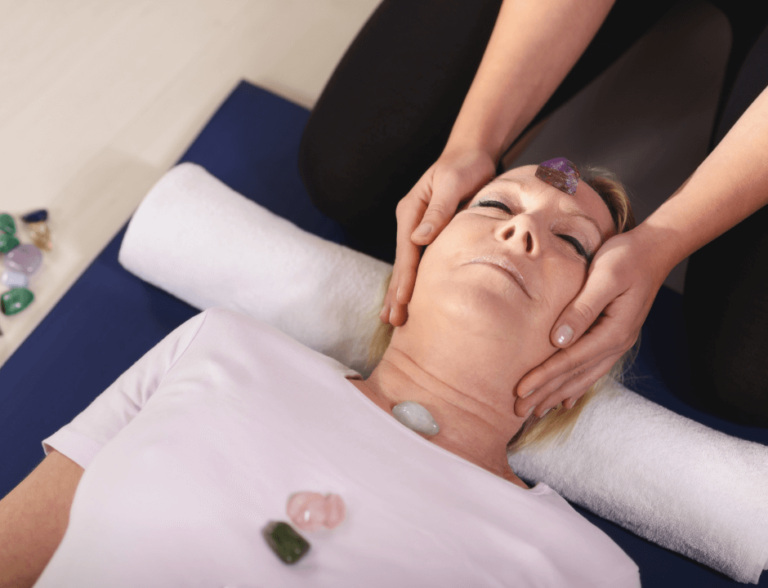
[233, 322]
[226, 328]
[223, 328]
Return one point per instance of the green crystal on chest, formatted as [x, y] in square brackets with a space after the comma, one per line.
[287, 544]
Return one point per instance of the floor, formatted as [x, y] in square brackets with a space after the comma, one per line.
[100, 97]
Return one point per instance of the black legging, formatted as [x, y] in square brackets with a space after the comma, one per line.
[386, 113]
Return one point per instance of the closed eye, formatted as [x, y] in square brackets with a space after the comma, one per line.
[572, 240]
[577, 245]
[494, 204]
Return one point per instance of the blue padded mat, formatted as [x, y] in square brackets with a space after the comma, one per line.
[110, 318]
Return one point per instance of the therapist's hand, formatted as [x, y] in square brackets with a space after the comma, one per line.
[432, 202]
[605, 317]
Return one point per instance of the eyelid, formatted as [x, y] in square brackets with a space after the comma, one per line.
[489, 203]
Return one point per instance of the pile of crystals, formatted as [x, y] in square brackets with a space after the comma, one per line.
[309, 511]
[21, 260]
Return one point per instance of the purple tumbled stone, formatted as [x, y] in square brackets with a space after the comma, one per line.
[25, 258]
[559, 173]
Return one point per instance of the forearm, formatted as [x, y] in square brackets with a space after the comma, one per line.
[534, 44]
[33, 519]
[729, 185]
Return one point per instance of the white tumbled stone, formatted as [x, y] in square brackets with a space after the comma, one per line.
[417, 418]
[14, 279]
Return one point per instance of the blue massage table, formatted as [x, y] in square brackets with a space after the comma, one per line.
[110, 318]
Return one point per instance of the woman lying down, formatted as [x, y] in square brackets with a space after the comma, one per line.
[179, 473]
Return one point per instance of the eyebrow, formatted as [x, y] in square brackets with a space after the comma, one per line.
[570, 211]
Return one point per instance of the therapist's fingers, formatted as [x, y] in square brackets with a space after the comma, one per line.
[605, 339]
[410, 210]
[627, 269]
[566, 367]
[620, 288]
[429, 211]
[602, 288]
[571, 389]
[441, 203]
[456, 175]
[422, 215]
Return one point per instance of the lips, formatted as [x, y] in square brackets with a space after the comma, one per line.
[507, 266]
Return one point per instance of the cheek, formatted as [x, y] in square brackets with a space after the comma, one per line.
[446, 245]
[430, 261]
[571, 283]
[562, 284]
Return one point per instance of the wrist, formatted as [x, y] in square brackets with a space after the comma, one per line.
[661, 244]
[465, 143]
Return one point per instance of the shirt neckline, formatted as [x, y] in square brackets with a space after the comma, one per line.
[540, 489]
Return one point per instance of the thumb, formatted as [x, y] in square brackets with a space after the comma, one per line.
[578, 316]
[436, 217]
[451, 179]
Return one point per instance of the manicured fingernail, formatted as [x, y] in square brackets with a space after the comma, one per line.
[391, 314]
[543, 414]
[563, 335]
[530, 410]
[423, 231]
[527, 394]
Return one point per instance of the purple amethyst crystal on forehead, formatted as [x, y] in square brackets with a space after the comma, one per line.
[560, 173]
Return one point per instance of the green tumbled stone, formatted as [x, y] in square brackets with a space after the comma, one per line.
[7, 242]
[287, 544]
[7, 225]
[15, 300]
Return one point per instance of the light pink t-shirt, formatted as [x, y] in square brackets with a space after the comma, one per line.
[195, 448]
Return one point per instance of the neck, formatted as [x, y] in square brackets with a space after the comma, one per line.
[468, 389]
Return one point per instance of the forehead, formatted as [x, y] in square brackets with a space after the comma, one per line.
[584, 201]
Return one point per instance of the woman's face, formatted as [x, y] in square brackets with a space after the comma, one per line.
[542, 235]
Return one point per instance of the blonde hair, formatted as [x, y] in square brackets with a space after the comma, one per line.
[558, 423]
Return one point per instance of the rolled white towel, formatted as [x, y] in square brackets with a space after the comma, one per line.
[201, 241]
[666, 478]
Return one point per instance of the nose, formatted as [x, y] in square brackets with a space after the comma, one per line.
[521, 233]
